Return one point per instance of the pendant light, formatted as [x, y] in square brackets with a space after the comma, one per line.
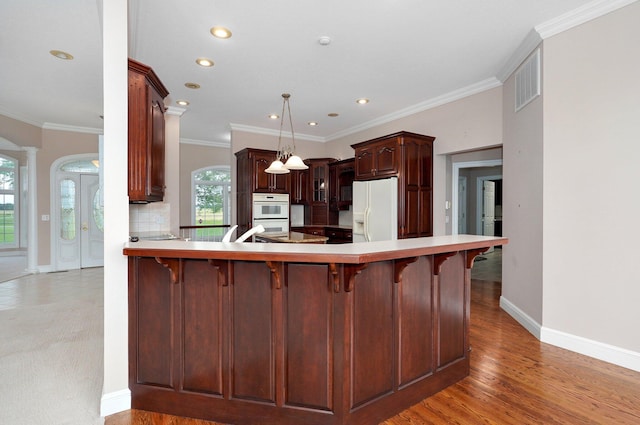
[294, 162]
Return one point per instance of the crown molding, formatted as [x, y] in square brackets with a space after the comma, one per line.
[578, 16]
[71, 128]
[472, 89]
[528, 45]
[271, 132]
[208, 143]
[25, 120]
[174, 110]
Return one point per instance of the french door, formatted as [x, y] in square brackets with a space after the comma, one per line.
[80, 220]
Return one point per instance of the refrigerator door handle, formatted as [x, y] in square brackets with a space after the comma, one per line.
[367, 216]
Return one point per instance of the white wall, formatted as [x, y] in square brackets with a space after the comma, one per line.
[522, 208]
[591, 176]
[116, 396]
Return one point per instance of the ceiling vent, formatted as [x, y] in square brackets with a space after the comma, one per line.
[528, 81]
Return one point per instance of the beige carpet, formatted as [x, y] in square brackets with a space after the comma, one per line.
[51, 329]
[12, 266]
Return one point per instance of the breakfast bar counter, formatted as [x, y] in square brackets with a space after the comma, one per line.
[278, 333]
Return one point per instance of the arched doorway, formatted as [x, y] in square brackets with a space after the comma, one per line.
[77, 213]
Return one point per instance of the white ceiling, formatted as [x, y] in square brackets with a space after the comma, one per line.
[401, 54]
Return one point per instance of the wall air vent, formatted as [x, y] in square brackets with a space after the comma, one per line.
[528, 81]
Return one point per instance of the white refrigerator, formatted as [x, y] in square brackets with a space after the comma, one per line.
[375, 210]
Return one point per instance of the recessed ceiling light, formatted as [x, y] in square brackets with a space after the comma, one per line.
[220, 32]
[61, 55]
[194, 86]
[204, 62]
[312, 123]
[362, 101]
[274, 116]
[182, 102]
[332, 114]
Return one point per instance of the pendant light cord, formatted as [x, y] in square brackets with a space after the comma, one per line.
[281, 155]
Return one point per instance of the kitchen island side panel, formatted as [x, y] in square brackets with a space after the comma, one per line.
[452, 308]
[253, 333]
[372, 333]
[415, 326]
[309, 336]
[202, 330]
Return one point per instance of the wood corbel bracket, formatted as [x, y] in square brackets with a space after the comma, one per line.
[333, 269]
[221, 265]
[439, 259]
[399, 266]
[350, 272]
[173, 265]
[276, 270]
[472, 254]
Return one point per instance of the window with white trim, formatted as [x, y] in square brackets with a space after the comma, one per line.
[9, 217]
[211, 198]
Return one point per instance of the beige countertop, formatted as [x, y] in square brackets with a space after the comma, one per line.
[351, 253]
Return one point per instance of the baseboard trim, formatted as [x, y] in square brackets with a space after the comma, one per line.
[588, 347]
[521, 317]
[598, 350]
[117, 401]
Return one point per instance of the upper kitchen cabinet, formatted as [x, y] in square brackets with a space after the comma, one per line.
[409, 157]
[299, 187]
[146, 134]
[318, 210]
[341, 176]
[252, 176]
[377, 159]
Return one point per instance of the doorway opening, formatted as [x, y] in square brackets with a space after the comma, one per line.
[77, 213]
[477, 209]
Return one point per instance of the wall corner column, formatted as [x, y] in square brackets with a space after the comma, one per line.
[32, 211]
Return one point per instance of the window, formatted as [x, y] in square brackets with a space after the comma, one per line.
[8, 194]
[211, 189]
[68, 209]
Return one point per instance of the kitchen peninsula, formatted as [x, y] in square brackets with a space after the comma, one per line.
[247, 333]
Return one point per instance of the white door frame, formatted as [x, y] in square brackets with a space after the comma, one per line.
[480, 198]
[454, 178]
[54, 202]
[91, 235]
[462, 204]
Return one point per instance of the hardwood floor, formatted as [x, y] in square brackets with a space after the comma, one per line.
[515, 379]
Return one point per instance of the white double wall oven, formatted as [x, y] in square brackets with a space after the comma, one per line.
[271, 210]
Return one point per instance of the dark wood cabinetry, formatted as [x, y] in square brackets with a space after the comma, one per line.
[409, 157]
[338, 235]
[317, 211]
[299, 187]
[341, 176]
[309, 230]
[146, 134]
[251, 177]
[265, 335]
[255, 179]
[377, 159]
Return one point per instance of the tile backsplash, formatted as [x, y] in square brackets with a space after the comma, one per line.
[152, 217]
